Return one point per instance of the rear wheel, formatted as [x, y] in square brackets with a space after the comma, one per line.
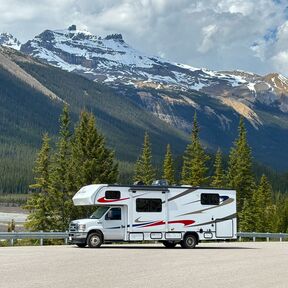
[81, 245]
[189, 241]
[94, 240]
[169, 244]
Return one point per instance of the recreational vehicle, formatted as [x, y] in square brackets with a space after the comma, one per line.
[171, 215]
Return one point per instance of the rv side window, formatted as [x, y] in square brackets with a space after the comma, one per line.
[148, 205]
[209, 199]
[112, 194]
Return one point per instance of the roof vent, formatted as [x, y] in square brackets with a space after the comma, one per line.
[160, 182]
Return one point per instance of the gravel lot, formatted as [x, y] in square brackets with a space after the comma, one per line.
[209, 265]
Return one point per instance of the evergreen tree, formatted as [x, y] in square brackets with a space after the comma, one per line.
[240, 176]
[194, 168]
[60, 174]
[92, 162]
[263, 208]
[168, 167]
[144, 170]
[218, 179]
[39, 204]
[247, 217]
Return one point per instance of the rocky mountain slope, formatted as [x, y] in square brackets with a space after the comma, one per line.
[111, 60]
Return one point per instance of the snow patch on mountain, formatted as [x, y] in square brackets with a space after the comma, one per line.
[8, 40]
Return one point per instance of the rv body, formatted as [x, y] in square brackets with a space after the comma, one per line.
[168, 214]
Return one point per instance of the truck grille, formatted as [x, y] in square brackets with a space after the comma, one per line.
[73, 227]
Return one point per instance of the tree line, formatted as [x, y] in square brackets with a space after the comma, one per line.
[81, 158]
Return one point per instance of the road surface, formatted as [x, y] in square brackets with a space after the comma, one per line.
[209, 265]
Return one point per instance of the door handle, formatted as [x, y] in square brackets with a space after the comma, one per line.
[122, 226]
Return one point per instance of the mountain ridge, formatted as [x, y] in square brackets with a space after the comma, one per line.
[111, 60]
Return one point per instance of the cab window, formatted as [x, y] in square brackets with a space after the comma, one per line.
[113, 214]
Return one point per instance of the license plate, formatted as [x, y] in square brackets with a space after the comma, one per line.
[70, 238]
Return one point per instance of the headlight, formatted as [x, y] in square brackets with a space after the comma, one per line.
[81, 227]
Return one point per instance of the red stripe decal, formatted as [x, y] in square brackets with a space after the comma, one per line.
[103, 200]
[185, 222]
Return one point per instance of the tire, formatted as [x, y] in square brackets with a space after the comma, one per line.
[169, 244]
[95, 240]
[81, 245]
[189, 241]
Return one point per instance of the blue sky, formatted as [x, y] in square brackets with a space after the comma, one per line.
[217, 34]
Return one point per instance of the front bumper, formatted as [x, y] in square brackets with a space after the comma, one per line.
[77, 237]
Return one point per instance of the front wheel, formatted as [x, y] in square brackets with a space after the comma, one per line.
[169, 244]
[189, 241]
[94, 240]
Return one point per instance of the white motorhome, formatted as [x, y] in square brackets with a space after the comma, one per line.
[169, 214]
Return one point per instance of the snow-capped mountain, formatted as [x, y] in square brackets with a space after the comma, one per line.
[7, 40]
[113, 61]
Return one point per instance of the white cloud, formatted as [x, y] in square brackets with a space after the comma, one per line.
[217, 34]
[208, 32]
[274, 50]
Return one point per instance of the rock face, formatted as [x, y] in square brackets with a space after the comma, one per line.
[7, 40]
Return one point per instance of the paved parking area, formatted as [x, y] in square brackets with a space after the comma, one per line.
[209, 265]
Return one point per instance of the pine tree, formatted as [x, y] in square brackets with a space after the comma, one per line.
[247, 217]
[262, 200]
[60, 174]
[240, 176]
[144, 170]
[168, 167]
[92, 162]
[39, 204]
[218, 179]
[194, 168]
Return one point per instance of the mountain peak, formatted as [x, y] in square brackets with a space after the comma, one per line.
[8, 40]
[72, 27]
[116, 36]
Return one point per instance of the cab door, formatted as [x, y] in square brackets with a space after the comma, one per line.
[114, 224]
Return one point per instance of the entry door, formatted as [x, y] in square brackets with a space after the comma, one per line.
[149, 212]
[114, 224]
[224, 229]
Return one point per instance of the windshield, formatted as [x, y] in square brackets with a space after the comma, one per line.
[99, 212]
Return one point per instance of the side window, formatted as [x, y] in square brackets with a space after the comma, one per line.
[148, 205]
[113, 214]
[210, 199]
[112, 194]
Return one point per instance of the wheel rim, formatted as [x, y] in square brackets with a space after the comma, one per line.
[95, 240]
[190, 241]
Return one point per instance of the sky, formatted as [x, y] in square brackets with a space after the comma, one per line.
[249, 35]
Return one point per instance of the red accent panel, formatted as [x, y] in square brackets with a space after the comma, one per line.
[103, 200]
[185, 222]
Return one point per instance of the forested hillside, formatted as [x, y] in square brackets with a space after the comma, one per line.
[27, 113]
